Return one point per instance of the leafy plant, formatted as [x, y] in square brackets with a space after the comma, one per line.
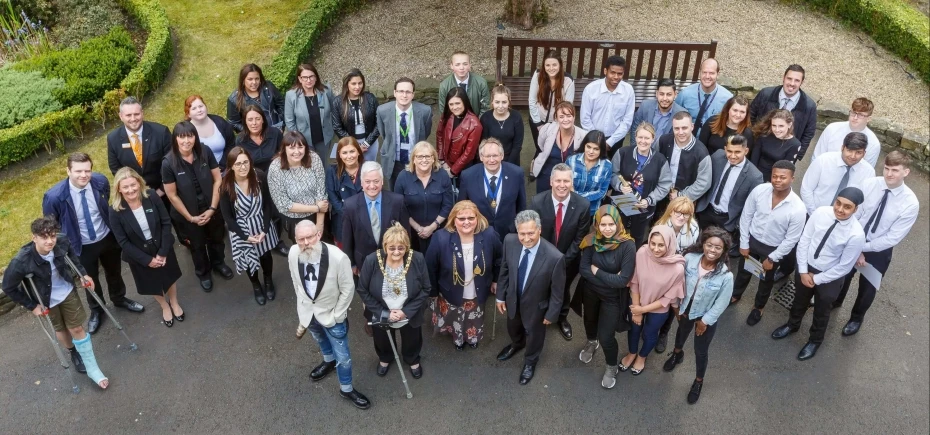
[86, 19]
[22, 37]
[25, 95]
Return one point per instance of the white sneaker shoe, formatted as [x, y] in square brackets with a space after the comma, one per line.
[588, 352]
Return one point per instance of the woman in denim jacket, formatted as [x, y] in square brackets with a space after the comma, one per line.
[708, 287]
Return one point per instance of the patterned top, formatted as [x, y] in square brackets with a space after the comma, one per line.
[249, 217]
[591, 184]
[297, 185]
[393, 300]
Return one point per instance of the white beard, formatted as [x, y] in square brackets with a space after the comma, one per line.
[312, 254]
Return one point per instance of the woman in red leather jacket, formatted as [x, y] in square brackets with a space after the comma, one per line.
[458, 133]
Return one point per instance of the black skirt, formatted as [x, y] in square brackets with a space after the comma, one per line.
[154, 282]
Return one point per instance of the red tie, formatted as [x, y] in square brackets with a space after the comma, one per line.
[558, 222]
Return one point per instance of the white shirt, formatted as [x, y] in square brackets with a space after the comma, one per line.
[100, 226]
[129, 133]
[897, 219]
[792, 101]
[468, 259]
[818, 188]
[831, 139]
[839, 254]
[780, 226]
[462, 82]
[724, 204]
[488, 176]
[676, 157]
[139, 213]
[310, 282]
[556, 202]
[60, 286]
[611, 112]
[215, 142]
[410, 137]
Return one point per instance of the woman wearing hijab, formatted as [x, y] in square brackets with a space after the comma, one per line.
[659, 281]
[607, 260]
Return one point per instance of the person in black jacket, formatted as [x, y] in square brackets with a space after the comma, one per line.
[789, 96]
[215, 132]
[343, 181]
[688, 161]
[139, 144]
[44, 259]
[255, 90]
[642, 170]
[355, 114]
[192, 182]
[775, 141]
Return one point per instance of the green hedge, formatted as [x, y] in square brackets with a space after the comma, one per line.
[893, 24]
[25, 95]
[156, 60]
[23, 140]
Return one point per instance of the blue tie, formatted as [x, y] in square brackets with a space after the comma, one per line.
[88, 222]
[521, 270]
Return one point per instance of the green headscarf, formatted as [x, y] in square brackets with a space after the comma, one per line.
[596, 239]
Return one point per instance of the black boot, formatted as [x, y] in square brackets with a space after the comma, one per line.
[259, 295]
[269, 288]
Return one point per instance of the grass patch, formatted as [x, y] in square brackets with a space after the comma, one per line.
[212, 44]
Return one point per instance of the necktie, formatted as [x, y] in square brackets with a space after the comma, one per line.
[521, 270]
[877, 215]
[492, 192]
[826, 236]
[700, 115]
[558, 222]
[136, 147]
[375, 222]
[843, 182]
[784, 103]
[403, 128]
[88, 222]
[464, 86]
[723, 182]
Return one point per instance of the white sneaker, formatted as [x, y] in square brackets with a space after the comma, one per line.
[588, 352]
[610, 377]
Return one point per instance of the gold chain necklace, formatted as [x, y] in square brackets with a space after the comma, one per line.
[478, 271]
[395, 281]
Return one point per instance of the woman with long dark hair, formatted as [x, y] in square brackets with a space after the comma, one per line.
[343, 180]
[262, 143]
[307, 107]
[253, 89]
[708, 288]
[549, 86]
[732, 119]
[297, 182]
[215, 133]
[458, 133]
[354, 114]
[774, 141]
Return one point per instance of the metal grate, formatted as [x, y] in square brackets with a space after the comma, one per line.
[785, 295]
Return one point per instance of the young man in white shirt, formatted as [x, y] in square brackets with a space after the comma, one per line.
[887, 215]
[833, 172]
[831, 138]
[827, 251]
[608, 104]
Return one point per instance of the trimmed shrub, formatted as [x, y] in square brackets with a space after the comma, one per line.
[97, 66]
[85, 19]
[156, 60]
[23, 140]
[25, 95]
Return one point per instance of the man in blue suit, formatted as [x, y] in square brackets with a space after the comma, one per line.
[79, 204]
[496, 187]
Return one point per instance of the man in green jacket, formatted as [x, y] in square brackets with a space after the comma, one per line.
[475, 86]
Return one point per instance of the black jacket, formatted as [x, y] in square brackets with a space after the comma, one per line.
[345, 125]
[228, 208]
[156, 143]
[27, 261]
[269, 99]
[357, 238]
[576, 221]
[371, 281]
[262, 153]
[130, 237]
[805, 114]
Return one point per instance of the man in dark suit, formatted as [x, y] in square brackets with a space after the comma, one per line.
[139, 144]
[402, 123]
[496, 187]
[734, 177]
[368, 215]
[565, 221]
[789, 96]
[529, 290]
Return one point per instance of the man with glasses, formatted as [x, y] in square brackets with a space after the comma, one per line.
[496, 187]
[323, 282]
[831, 139]
[402, 123]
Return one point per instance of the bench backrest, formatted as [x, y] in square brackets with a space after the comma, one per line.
[647, 62]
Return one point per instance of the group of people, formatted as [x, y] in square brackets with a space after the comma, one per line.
[426, 234]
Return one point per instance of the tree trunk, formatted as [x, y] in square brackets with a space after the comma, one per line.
[526, 13]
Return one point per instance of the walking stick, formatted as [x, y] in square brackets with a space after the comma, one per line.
[101, 303]
[494, 324]
[386, 326]
[61, 357]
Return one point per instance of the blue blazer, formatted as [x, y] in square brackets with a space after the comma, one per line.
[513, 195]
[58, 203]
[357, 239]
[446, 247]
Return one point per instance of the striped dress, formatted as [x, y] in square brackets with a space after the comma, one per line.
[249, 218]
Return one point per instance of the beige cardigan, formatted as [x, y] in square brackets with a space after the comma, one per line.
[333, 298]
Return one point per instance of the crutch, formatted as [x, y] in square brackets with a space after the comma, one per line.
[48, 322]
[101, 303]
[494, 325]
[386, 326]
[61, 359]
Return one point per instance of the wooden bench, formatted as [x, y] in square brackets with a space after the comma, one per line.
[646, 63]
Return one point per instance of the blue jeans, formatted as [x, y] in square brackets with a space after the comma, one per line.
[334, 344]
[649, 330]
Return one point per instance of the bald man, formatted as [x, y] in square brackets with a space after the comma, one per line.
[704, 98]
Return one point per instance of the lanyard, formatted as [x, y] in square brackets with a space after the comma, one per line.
[403, 131]
[712, 96]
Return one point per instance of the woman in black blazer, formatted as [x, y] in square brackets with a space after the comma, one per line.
[464, 259]
[142, 227]
[393, 285]
[343, 180]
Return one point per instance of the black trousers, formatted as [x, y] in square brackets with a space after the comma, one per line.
[207, 243]
[532, 338]
[398, 168]
[601, 315]
[701, 342]
[534, 131]
[291, 223]
[824, 295]
[104, 253]
[759, 251]
[710, 218]
[410, 346]
[571, 272]
[638, 226]
[880, 261]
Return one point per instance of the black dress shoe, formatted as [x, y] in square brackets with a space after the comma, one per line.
[77, 361]
[473, 345]
[179, 318]
[754, 317]
[131, 305]
[459, 347]
[94, 321]
[695, 392]
[851, 328]
[269, 288]
[224, 271]
[259, 294]
[527, 374]
[206, 284]
[808, 351]
[358, 399]
[507, 352]
[320, 371]
[417, 373]
[783, 331]
[169, 323]
[282, 250]
[673, 361]
[382, 370]
[566, 329]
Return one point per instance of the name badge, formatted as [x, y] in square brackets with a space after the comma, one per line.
[126, 145]
[181, 173]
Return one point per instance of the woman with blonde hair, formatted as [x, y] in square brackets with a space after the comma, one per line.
[427, 193]
[679, 216]
[394, 284]
[142, 227]
[463, 261]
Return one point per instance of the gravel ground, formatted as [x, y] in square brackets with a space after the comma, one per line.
[841, 64]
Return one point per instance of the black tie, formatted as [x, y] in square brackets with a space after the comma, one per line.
[464, 86]
[492, 191]
[723, 182]
[521, 270]
[877, 215]
[700, 115]
[825, 237]
[843, 183]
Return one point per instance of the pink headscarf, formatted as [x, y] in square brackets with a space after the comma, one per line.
[659, 278]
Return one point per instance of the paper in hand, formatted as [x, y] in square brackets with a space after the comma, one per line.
[872, 274]
[754, 267]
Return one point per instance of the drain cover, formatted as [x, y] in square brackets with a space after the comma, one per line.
[785, 295]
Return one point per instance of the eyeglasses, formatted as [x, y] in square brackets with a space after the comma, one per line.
[857, 115]
[466, 219]
[306, 78]
[241, 164]
[308, 238]
[677, 213]
[423, 158]
[404, 92]
[396, 248]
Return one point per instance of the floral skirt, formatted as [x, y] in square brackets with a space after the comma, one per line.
[465, 323]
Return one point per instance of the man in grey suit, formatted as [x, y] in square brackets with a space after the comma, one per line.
[658, 111]
[402, 123]
[531, 293]
[734, 177]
